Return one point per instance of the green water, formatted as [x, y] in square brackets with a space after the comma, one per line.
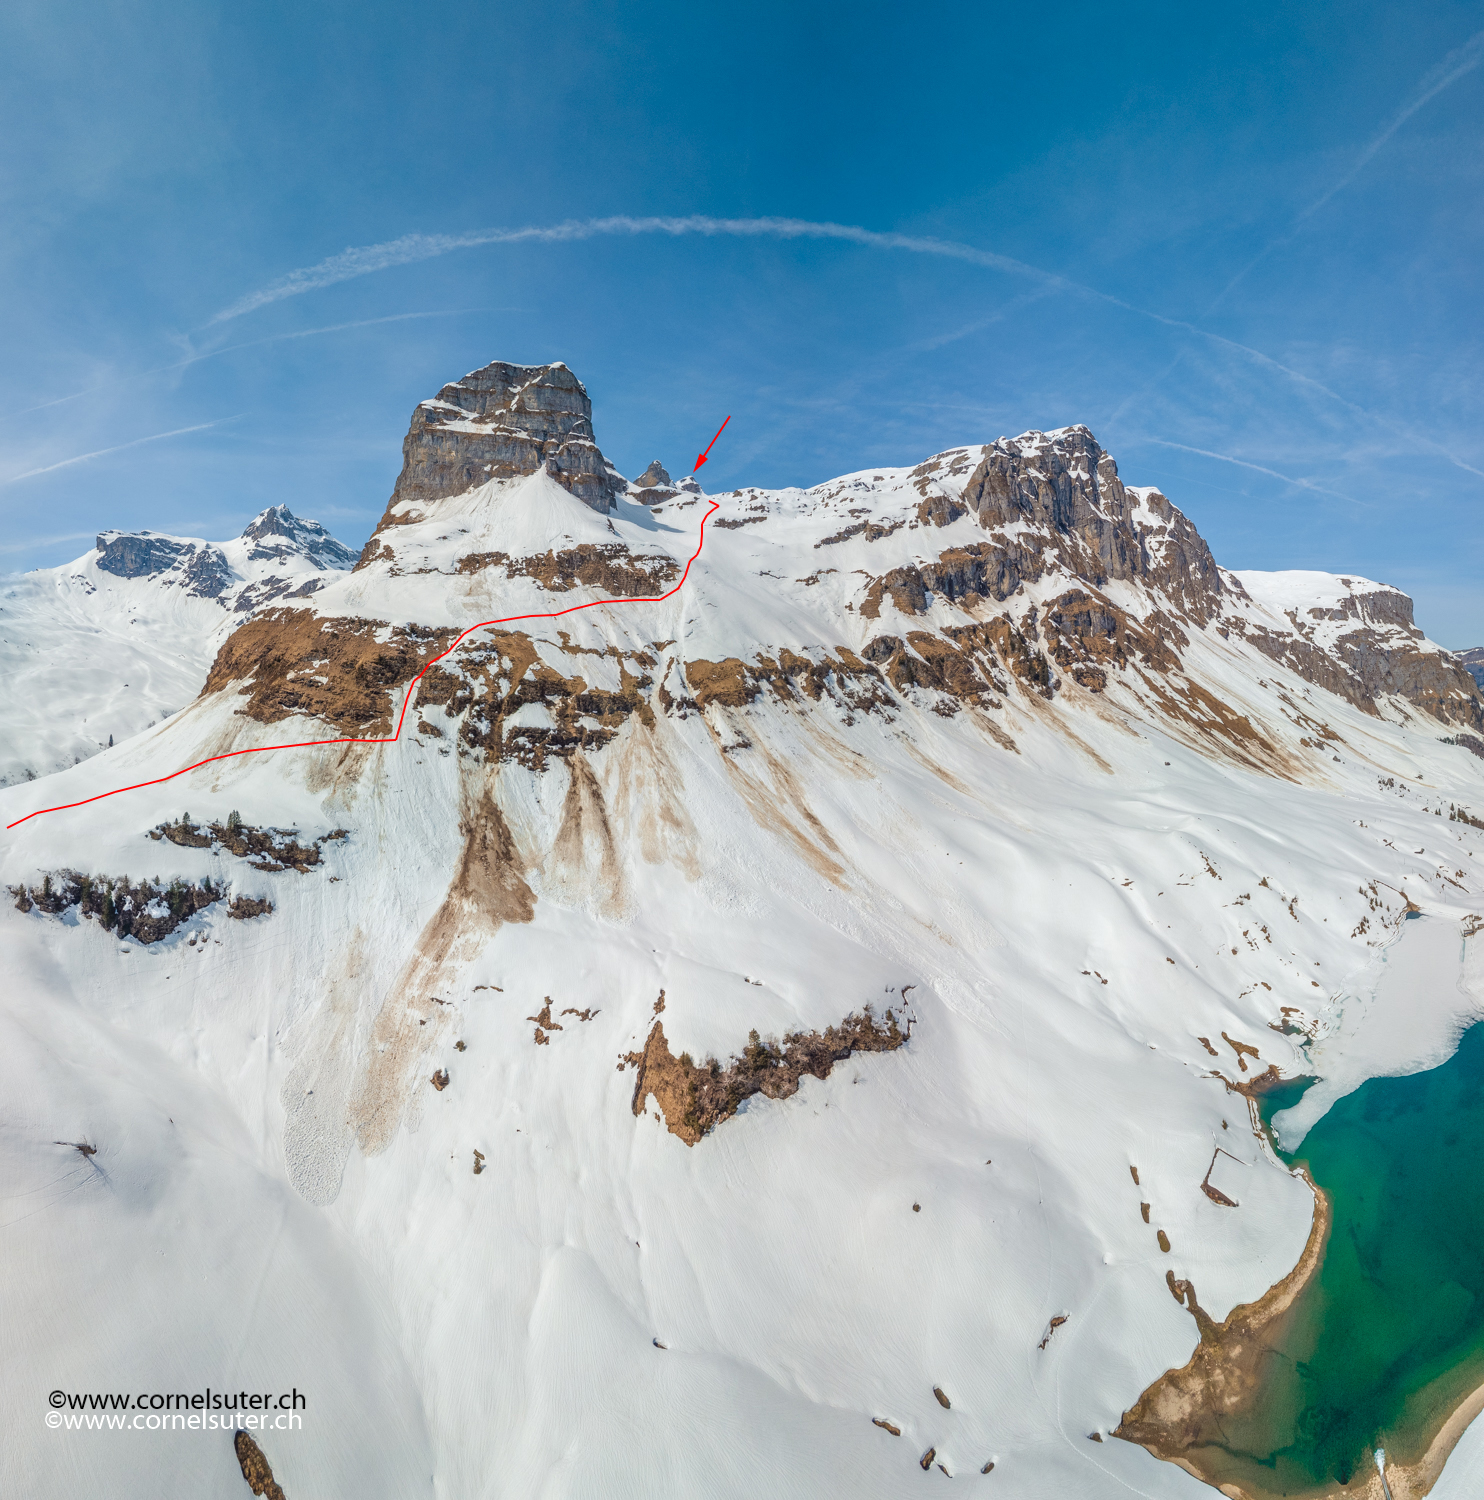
[1389, 1336]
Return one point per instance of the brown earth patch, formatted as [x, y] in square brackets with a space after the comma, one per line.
[255, 1468]
[697, 1098]
[1179, 1418]
[649, 802]
[292, 661]
[492, 678]
[487, 890]
[584, 863]
[768, 797]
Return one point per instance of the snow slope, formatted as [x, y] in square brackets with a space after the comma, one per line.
[88, 652]
[1074, 894]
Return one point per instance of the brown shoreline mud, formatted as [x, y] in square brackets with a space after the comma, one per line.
[1180, 1414]
[1179, 1417]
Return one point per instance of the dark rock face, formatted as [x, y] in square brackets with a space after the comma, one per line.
[1078, 518]
[139, 554]
[499, 423]
[1473, 663]
[1382, 655]
[279, 533]
[656, 484]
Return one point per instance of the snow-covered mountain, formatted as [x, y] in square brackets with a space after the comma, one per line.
[103, 647]
[764, 1041]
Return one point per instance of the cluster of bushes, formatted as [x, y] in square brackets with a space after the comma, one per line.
[146, 910]
[266, 848]
[774, 1068]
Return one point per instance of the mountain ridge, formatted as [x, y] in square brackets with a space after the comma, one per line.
[539, 1085]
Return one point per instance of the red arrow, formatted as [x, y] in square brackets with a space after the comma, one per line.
[709, 446]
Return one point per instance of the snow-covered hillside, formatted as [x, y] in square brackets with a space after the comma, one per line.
[991, 743]
[101, 648]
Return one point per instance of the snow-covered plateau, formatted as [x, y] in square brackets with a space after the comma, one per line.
[990, 743]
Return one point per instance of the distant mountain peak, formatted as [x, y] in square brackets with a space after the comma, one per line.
[277, 532]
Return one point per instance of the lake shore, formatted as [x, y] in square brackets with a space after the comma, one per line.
[1179, 1417]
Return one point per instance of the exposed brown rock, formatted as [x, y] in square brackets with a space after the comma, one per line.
[607, 569]
[697, 1098]
[255, 1468]
[241, 908]
[499, 672]
[789, 677]
[291, 661]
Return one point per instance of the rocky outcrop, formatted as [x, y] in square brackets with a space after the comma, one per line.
[698, 1097]
[654, 486]
[1054, 500]
[1365, 646]
[277, 533]
[1473, 663]
[203, 569]
[289, 661]
[500, 422]
[510, 705]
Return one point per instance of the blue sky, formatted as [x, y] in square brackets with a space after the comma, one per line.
[1243, 246]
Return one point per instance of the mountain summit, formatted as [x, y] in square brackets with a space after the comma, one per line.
[500, 422]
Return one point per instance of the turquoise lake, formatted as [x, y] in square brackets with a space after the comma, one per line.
[1389, 1336]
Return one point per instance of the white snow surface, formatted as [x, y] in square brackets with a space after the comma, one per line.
[86, 654]
[1064, 898]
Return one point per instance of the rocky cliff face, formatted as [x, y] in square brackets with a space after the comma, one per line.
[278, 533]
[985, 575]
[1358, 639]
[1473, 663]
[500, 422]
[199, 567]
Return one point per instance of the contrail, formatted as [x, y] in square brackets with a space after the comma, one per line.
[1242, 463]
[364, 259]
[83, 458]
[1461, 61]
[1457, 64]
[418, 247]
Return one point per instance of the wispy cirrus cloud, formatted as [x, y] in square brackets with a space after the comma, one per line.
[1460, 62]
[83, 458]
[196, 356]
[1243, 463]
[410, 248]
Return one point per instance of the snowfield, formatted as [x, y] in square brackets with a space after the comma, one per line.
[1075, 901]
[89, 654]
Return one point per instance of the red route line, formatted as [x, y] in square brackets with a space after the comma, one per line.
[554, 614]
